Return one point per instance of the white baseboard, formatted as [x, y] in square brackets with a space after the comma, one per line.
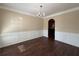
[7, 39]
[69, 38]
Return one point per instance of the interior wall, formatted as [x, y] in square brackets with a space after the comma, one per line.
[66, 22]
[13, 22]
[16, 27]
[66, 27]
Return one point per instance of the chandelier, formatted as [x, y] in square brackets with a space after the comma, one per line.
[41, 12]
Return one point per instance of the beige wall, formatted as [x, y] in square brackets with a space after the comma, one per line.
[13, 22]
[68, 22]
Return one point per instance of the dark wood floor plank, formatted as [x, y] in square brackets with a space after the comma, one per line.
[41, 46]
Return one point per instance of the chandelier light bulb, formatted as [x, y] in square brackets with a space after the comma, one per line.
[41, 13]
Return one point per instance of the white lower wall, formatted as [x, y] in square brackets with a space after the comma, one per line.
[69, 38]
[45, 33]
[16, 37]
[7, 39]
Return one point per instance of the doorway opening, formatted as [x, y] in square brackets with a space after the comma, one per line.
[51, 29]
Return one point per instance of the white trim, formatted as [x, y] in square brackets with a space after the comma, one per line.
[45, 33]
[68, 38]
[63, 12]
[18, 11]
[52, 15]
[7, 39]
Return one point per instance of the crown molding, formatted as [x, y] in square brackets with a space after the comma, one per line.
[63, 12]
[18, 11]
[29, 14]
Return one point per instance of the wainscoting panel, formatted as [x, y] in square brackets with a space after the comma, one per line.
[7, 39]
[69, 38]
[17, 37]
[45, 33]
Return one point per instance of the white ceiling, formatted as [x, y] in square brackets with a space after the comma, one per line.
[48, 8]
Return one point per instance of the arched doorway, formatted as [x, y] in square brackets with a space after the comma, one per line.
[51, 29]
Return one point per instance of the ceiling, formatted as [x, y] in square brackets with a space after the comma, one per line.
[34, 8]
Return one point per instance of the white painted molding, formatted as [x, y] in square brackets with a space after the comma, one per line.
[63, 12]
[7, 39]
[68, 38]
[45, 33]
[18, 11]
[52, 15]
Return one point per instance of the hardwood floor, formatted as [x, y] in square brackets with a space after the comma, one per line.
[40, 47]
